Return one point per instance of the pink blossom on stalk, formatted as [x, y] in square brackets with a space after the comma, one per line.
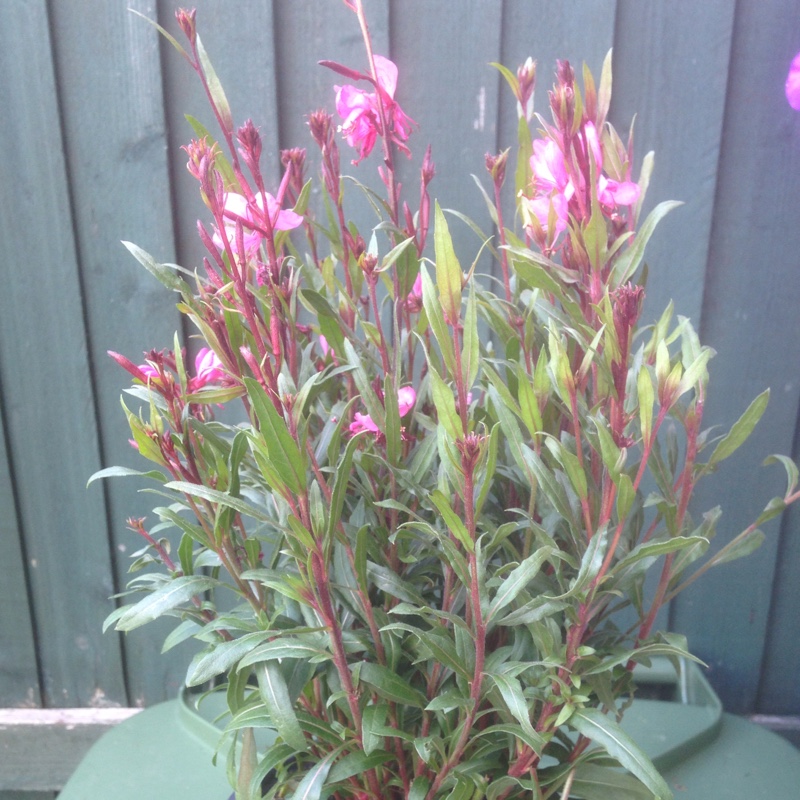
[793, 84]
[237, 209]
[406, 397]
[610, 193]
[359, 110]
[208, 368]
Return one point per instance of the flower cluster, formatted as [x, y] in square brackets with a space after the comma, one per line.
[365, 115]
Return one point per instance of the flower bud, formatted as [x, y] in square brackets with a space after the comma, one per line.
[526, 77]
[187, 23]
[250, 140]
[497, 166]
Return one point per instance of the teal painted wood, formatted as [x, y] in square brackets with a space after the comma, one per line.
[44, 359]
[671, 73]
[449, 54]
[108, 69]
[779, 688]
[19, 681]
[750, 315]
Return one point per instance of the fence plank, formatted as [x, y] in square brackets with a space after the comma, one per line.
[47, 391]
[108, 69]
[750, 315]
[19, 682]
[451, 87]
[670, 72]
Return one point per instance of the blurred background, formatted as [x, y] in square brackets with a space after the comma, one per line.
[92, 105]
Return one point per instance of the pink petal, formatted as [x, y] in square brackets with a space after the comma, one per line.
[594, 143]
[281, 219]
[793, 84]
[208, 367]
[406, 398]
[363, 422]
[386, 71]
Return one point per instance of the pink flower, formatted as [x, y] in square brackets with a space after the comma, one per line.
[610, 193]
[549, 170]
[793, 84]
[253, 220]
[540, 207]
[406, 398]
[359, 110]
[208, 368]
[150, 372]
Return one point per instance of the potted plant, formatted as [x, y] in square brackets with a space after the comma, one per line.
[416, 547]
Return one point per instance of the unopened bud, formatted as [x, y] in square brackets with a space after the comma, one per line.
[250, 140]
[187, 23]
[526, 77]
[497, 166]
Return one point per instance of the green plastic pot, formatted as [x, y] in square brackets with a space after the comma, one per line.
[165, 752]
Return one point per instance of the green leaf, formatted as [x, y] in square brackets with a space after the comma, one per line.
[744, 544]
[470, 356]
[221, 657]
[171, 594]
[390, 685]
[275, 694]
[791, 471]
[433, 311]
[449, 277]
[511, 691]
[517, 580]
[286, 647]
[214, 87]
[357, 764]
[283, 450]
[218, 498]
[452, 520]
[445, 403]
[741, 429]
[123, 472]
[629, 261]
[604, 783]
[162, 272]
[310, 788]
[596, 726]
[372, 719]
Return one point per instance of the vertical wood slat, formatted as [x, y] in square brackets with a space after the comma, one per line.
[109, 73]
[450, 87]
[44, 359]
[19, 681]
[670, 73]
[750, 315]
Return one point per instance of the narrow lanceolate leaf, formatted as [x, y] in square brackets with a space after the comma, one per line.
[470, 356]
[644, 386]
[340, 482]
[629, 262]
[596, 726]
[215, 87]
[452, 520]
[171, 595]
[605, 783]
[162, 272]
[448, 269]
[310, 788]
[517, 580]
[275, 695]
[445, 404]
[511, 690]
[433, 311]
[391, 686]
[283, 450]
[741, 429]
[218, 498]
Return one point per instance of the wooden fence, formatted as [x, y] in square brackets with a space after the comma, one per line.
[91, 123]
